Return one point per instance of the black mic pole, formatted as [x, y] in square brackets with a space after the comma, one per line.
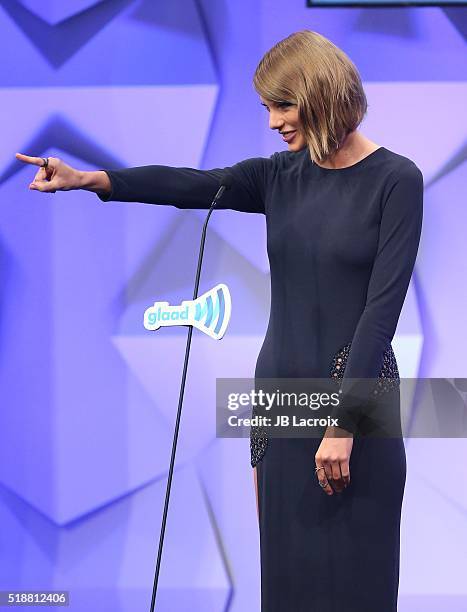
[226, 183]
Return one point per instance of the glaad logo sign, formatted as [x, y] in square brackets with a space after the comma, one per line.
[210, 313]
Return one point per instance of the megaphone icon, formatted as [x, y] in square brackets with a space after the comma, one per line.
[210, 313]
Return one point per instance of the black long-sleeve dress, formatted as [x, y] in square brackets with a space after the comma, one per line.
[342, 244]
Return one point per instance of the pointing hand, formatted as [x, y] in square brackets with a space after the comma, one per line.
[58, 176]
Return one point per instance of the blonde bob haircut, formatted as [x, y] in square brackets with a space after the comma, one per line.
[308, 70]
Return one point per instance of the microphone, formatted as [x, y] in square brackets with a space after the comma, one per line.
[225, 184]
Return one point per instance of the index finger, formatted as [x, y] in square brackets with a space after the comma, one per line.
[37, 161]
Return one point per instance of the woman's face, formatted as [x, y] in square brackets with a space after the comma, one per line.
[283, 116]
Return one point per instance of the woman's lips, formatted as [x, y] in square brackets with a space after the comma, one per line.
[287, 137]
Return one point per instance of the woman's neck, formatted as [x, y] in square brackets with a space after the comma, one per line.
[355, 147]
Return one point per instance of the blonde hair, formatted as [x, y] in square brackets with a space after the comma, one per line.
[309, 70]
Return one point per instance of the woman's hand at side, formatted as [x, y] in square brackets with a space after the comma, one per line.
[59, 176]
[334, 455]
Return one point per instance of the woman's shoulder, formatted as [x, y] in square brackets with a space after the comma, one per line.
[401, 172]
[400, 165]
[290, 162]
[267, 166]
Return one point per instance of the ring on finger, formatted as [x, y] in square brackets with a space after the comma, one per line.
[46, 162]
[322, 483]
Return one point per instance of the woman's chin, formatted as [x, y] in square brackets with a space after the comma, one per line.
[295, 146]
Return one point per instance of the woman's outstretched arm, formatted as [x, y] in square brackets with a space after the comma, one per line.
[156, 184]
[189, 188]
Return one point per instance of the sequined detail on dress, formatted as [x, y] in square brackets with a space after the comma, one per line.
[258, 442]
[388, 379]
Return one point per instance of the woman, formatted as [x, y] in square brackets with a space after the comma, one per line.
[344, 218]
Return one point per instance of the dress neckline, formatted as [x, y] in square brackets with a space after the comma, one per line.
[358, 164]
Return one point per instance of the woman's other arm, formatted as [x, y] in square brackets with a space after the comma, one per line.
[398, 243]
[399, 238]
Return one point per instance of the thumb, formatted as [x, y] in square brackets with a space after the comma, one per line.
[44, 186]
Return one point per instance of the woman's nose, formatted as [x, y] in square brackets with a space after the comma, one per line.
[275, 122]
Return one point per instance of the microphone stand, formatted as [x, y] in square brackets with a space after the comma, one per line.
[225, 185]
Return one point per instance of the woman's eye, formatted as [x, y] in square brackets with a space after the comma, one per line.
[279, 105]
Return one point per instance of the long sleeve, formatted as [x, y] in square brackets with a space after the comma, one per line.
[398, 243]
[189, 188]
